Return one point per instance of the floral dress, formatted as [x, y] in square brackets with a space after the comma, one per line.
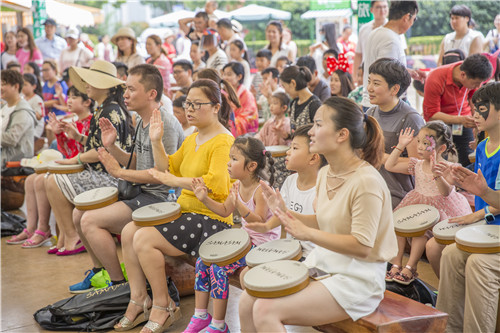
[426, 192]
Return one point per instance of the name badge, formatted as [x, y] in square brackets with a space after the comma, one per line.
[457, 129]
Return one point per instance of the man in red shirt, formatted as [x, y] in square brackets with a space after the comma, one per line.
[446, 97]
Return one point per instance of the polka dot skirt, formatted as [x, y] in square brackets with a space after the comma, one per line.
[189, 231]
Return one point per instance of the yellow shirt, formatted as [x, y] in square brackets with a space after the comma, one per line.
[210, 163]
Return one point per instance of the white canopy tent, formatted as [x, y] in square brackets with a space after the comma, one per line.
[259, 13]
[171, 19]
[64, 14]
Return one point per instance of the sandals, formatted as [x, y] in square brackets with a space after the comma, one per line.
[389, 275]
[30, 243]
[126, 324]
[404, 279]
[17, 238]
[175, 314]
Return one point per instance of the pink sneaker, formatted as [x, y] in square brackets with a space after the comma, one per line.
[197, 324]
[212, 329]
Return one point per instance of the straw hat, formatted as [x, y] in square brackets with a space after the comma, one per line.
[123, 32]
[101, 75]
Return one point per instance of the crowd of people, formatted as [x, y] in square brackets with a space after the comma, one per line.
[201, 126]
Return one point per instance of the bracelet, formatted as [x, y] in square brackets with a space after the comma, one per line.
[395, 147]
[436, 177]
[246, 215]
[78, 159]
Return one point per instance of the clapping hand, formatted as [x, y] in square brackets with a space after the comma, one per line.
[110, 163]
[156, 126]
[292, 225]
[273, 197]
[71, 131]
[200, 189]
[108, 132]
[469, 181]
[164, 177]
[438, 169]
[56, 125]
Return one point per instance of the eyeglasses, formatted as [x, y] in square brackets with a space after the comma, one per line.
[194, 105]
[415, 18]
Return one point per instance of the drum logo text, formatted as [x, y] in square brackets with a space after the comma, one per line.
[276, 273]
[408, 218]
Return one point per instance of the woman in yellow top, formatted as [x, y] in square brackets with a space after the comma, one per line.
[205, 155]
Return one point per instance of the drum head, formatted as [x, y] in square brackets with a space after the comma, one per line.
[415, 218]
[95, 196]
[276, 279]
[157, 211]
[280, 249]
[446, 231]
[224, 245]
[479, 239]
[277, 150]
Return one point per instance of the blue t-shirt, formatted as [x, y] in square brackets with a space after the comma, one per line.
[489, 164]
[49, 94]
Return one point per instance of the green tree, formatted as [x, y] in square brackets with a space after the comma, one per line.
[433, 16]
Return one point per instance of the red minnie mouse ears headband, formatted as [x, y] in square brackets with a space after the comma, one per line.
[333, 64]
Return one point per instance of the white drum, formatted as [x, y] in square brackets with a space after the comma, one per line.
[96, 198]
[276, 279]
[277, 151]
[279, 249]
[155, 214]
[65, 168]
[444, 232]
[225, 247]
[41, 168]
[414, 220]
[479, 239]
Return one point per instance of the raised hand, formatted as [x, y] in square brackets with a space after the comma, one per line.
[469, 181]
[108, 132]
[156, 126]
[406, 136]
[273, 197]
[55, 125]
[200, 189]
[58, 88]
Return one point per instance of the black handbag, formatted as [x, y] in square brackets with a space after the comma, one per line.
[126, 189]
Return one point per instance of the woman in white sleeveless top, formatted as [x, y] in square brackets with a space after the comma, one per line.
[468, 40]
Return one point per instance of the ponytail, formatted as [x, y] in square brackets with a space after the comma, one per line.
[365, 134]
[373, 150]
[232, 96]
[254, 151]
[302, 75]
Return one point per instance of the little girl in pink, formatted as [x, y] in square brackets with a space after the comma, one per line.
[433, 186]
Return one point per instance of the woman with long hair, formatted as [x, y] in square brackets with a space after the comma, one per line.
[100, 84]
[126, 42]
[203, 157]
[246, 116]
[27, 48]
[9, 54]
[274, 35]
[158, 58]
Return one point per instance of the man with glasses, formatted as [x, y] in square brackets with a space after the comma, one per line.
[183, 72]
[385, 41]
[51, 45]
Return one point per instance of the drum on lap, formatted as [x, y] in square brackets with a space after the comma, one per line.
[479, 239]
[64, 168]
[157, 213]
[276, 279]
[444, 232]
[279, 249]
[414, 220]
[225, 247]
[96, 198]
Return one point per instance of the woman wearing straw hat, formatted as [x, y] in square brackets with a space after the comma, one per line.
[126, 42]
[100, 84]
